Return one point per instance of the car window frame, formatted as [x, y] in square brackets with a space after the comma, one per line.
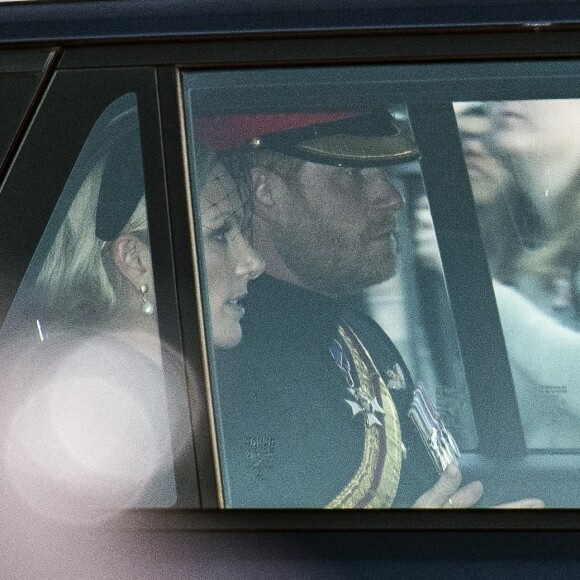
[466, 269]
[70, 107]
[97, 57]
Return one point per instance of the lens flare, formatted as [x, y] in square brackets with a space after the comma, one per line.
[93, 436]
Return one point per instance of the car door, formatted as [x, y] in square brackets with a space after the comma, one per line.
[446, 323]
[51, 178]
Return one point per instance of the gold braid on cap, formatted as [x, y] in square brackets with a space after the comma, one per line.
[365, 140]
[376, 150]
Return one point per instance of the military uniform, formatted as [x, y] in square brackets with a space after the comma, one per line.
[312, 408]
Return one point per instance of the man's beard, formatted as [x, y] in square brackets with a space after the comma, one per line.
[332, 260]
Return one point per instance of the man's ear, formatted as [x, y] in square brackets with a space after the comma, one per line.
[270, 192]
[131, 257]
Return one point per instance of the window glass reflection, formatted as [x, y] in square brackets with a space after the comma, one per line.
[84, 390]
[314, 405]
[523, 159]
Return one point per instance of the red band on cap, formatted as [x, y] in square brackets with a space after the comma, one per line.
[223, 133]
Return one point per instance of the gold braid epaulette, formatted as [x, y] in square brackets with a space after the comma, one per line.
[360, 486]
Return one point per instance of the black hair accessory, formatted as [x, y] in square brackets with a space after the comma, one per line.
[122, 186]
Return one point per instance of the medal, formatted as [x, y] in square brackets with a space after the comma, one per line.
[362, 403]
[437, 439]
[396, 378]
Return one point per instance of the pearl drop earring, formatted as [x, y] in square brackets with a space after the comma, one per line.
[147, 307]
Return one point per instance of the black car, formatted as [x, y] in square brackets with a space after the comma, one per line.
[108, 110]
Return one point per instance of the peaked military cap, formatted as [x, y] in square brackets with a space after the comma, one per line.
[344, 138]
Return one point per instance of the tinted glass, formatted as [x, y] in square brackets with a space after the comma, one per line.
[85, 390]
[15, 94]
[328, 368]
[523, 159]
[21, 73]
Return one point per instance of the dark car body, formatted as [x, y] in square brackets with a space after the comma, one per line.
[63, 62]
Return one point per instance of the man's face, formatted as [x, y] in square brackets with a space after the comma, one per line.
[337, 231]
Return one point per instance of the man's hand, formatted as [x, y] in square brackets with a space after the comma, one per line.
[448, 493]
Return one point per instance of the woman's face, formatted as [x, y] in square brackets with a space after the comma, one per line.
[540, 140]
[229, 258]
[487, 174]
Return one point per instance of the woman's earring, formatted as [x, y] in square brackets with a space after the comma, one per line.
[147, 307]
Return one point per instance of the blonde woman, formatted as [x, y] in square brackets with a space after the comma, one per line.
[92, 432]
[539, 140]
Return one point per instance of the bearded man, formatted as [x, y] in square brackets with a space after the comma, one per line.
[314, 407]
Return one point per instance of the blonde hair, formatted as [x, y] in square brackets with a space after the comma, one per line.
[558, 256]
[78, 282]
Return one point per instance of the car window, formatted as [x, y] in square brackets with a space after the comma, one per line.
[87, 382]
[522, 159]
[352, 273]
[20, 76]
[325, 350]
